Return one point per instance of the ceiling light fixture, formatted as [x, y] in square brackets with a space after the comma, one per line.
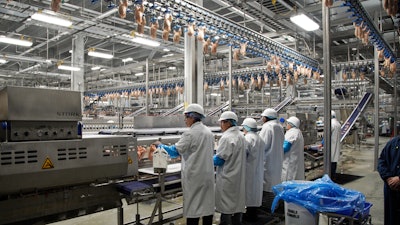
[304, 22]
[100, 55]
[145, 41]
[139, 74]
[2, 61]
[70, 68]
[127, 60]
[52, 18]
[15, 41]
[95, 68]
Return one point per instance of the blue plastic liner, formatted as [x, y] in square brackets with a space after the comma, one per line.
[321, 195]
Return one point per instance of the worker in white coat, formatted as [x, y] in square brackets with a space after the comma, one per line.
[273, 136]
[336, 134]
[336, 130]
[230, 162]
[254, 169]
[196, 148]
[293, 147]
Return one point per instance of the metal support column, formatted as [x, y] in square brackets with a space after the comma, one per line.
[230, 78]
[147, 88]
[78, 57]
[327, 89]
[376, 108]
[190, 69]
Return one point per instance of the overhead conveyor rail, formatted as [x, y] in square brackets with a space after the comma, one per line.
[229, 33]
[287, 101]
[173, 110]
[218, 109]
[362, 18]
[354, 115]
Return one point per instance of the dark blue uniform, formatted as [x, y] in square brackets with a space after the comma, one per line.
[389, 166]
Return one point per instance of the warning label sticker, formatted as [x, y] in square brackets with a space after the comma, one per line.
[47, 164]
[129, 160]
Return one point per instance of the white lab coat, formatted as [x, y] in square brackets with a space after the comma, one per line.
[196, 147]
[254, 169]
[336, 130]
[273, 137]
[230, 177]
[293, 160]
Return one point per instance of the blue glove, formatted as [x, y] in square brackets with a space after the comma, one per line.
[171, 149]
[286, 146]
[218, 161]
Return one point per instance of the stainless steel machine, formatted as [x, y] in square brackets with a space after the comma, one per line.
[46, 166]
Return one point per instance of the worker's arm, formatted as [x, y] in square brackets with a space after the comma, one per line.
[218, 161]
[171, 149]
[286, 146]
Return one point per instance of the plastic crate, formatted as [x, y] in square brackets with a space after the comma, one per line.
[365, 212]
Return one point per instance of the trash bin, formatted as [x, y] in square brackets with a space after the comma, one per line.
[321, 195]
[295, 215]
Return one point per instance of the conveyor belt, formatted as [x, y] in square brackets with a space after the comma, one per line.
[132, 187]
[285, 102]
[173, 110]
[218, 109]
[354, 115]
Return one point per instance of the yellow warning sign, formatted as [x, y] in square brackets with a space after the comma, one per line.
[129, 160]
[47, 164]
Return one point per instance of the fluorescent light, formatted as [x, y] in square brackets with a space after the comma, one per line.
[95, 68]
[15, 41]
[304, 22]
[100, 55]
[172, 68]
[167, 55]
[139, 74]
[2, 61]
[102, 69]
[51, 19]
[166, 50]
[70, 68]
[127, 60]
[145, 41]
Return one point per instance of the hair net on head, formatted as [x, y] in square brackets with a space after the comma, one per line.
[195, 116]
[232, 122]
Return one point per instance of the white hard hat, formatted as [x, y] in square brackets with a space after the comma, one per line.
[228, 115]
[294, 121]
[195, 108]
[333, 114]
[250, 122]
[270, 113]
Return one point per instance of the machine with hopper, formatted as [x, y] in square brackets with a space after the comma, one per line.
[47, 168]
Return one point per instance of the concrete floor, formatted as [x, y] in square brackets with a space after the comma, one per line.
[355, 160]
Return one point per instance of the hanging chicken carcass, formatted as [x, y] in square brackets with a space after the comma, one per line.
[177, 34]
[123, 5]
[55, 5]
[206, 45]
[153, 27]
[214, 47]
